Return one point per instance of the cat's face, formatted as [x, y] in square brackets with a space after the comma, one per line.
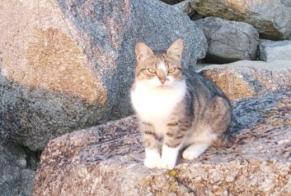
[159, 70]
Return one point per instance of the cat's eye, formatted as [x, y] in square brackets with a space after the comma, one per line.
[151, 70]
[172, 69]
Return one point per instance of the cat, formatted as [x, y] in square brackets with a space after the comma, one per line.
[176, 107]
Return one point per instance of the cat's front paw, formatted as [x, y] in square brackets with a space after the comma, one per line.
[152, 163]
[152, 158]
[159, 163]
[167, 165]
[169, 157]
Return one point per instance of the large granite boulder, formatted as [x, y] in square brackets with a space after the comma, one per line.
[66, 65]
[17, 170]
[107, 160]
[229, 41]
[245, 79]
[272, 18]
[275, 50]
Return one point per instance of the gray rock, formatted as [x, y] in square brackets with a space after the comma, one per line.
[229, 40]
[272, 18]
[108, 160]
[185, 7]
[16, 175]
[66, 65]
[171, 2]
[245, 79]
[275, 50]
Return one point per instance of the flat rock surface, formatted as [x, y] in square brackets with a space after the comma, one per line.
[244, 79]
[107, 159]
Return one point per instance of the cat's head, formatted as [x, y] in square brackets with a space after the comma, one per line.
[159, 69]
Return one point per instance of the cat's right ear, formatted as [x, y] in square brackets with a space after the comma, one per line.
[142, 51]
[176, 49]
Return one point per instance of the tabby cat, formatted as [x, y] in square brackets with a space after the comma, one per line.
[177, 108]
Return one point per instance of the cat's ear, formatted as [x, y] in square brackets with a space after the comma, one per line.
[176, 49]
[142, 51]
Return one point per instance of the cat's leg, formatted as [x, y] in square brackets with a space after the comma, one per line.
[173, 141]
[151, 143]
[152, 158]
[214, 123]
[217, 115]
[169, 156]
[201, 138]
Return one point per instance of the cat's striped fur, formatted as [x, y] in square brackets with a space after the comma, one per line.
[177, 108]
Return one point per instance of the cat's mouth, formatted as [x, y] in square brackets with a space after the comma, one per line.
[163, 81]
[164, 85]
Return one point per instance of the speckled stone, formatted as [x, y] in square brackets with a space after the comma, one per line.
[245, 79]
[16, 172]
[272, 18]
[108, 159]
[229, 41]
[275, 50]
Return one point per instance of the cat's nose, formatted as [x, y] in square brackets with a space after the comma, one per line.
[162, 79]
[162, 76]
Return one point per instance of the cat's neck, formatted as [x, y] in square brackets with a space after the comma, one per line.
[157, 103]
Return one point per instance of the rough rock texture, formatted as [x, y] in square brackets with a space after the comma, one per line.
[66, 65]
[245, 79]
[17, 170]
[271, 50]
[171, 2]
[107, 160]
[229, 40]
[186, 8]
[272, 18]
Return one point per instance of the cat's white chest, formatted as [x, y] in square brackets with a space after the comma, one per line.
[156, 104]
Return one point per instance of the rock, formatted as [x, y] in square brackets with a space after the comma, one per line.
[272, 18]
[245, 79]
[229, 40]
[185, 7]
[66, 65]
[16, 174]
[171, 2]
[107, 160]
[275, 50]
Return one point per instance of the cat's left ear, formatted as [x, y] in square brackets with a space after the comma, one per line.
[176, 49]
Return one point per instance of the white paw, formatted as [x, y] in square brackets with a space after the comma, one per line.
[169, 157]
[150, 163]
[194, 151]
[189, 155]
[152, 158]
[167, 165]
